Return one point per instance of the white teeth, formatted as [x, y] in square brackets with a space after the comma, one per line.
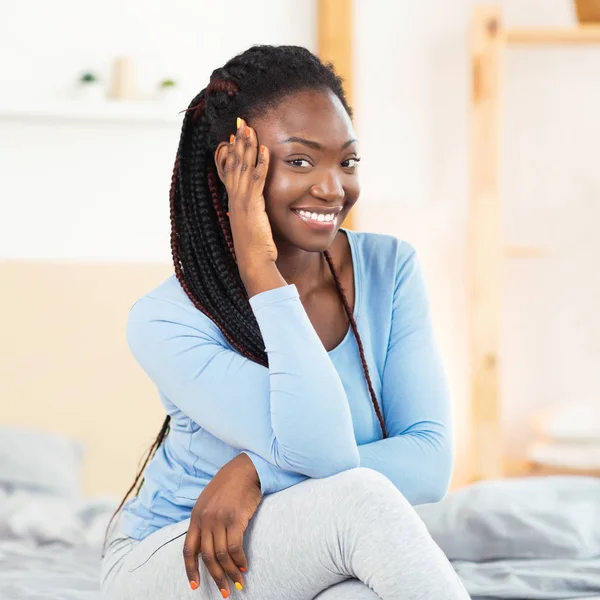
[320, 217]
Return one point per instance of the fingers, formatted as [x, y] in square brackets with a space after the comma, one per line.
[223, 555]
[213, 565]
[191, 549]
[259, 175]
[249, 159]
[229, 166]
[245, 167]
[235, 545]
[239, 149]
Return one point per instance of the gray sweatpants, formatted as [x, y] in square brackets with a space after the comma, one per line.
[352, 536]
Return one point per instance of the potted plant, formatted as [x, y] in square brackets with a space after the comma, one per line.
[588, 11]
[168, 90]
[89, 87]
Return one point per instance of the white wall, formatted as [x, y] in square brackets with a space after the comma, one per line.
[100, 192]
[413, 86]
[82, 192]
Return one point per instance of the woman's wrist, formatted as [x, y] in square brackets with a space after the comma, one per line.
[245, 463]
[260, 277]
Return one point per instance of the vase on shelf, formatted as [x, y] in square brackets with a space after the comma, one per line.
[123, 79]
[588, 11]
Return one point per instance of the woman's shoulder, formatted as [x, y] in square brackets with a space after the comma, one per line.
[167, 302]
[380, 252]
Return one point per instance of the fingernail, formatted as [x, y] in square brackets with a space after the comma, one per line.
[247, 132]
[239, 586]
[228, 215]
[262, 149]
[231, 138]
[241, 568]
[193, 585]
[224, 593]
[239, 122]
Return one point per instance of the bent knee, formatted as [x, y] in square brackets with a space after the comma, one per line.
[364, 483]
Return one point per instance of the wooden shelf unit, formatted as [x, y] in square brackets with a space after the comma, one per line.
[489, 39]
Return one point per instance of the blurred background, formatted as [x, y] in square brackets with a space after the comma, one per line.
[90, 95]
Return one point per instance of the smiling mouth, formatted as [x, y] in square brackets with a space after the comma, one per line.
[321, 221]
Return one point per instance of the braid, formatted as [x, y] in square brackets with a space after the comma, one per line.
[201, 238]
[361, 350]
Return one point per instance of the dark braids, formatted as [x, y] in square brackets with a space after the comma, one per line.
[201, 240]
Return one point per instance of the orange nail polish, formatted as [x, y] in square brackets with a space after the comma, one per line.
[193, 585]
[262, 149]
[247, 132]
[231, 138]
[241, 568]
[225, 593]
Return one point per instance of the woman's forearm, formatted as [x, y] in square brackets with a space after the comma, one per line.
[260, 277]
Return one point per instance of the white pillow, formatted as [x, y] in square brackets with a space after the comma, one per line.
[531, 517]
[572, 422]
[40, 462]
[584, 456]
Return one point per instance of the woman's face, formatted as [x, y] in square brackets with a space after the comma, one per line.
[312, 167]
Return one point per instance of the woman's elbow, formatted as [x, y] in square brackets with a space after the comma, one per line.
[333, 462]
[437, 483]
[326, 462]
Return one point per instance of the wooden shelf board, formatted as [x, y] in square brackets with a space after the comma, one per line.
[67, 109]
[584, 34]
[525, 251]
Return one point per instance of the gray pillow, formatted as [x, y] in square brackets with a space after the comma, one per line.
[40, 462]
[531, 517]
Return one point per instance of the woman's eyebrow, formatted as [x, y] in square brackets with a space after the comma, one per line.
[311, 144]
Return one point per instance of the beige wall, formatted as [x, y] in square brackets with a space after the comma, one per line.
[65, 365]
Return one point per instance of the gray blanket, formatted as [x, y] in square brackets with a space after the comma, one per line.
[529, 538]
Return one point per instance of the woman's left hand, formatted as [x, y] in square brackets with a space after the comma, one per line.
[218, 522]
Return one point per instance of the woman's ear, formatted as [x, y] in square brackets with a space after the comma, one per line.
[220, 158]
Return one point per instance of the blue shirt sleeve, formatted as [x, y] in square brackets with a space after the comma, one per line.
[417, 455]
[294, 415]
[272, 478]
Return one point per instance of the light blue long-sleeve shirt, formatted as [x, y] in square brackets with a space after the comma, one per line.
[309, 414]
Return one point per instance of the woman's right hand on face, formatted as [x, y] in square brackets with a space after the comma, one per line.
[245, 173]
[218, 522]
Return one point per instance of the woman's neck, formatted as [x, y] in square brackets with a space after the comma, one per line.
[306, 270]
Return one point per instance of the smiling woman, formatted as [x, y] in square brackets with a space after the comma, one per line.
[293, 450]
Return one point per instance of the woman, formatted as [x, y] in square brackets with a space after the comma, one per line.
[294, 445]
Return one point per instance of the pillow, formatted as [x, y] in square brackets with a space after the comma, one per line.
[584, 456]
[572, 422]
[531, 517]
[40, 462]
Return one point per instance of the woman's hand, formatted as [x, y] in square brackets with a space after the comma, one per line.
[245, 173]
[218, 522]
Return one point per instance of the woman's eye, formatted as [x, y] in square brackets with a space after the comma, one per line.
[351, 163]
[299, 162]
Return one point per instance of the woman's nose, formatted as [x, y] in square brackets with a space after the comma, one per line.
[329, 188]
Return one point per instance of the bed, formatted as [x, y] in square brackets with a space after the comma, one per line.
[526, 538]
[51, 535]
[523, 538]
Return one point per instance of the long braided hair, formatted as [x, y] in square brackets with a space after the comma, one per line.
[201, 239]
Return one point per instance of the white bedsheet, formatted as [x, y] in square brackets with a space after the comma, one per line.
[50, 547]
